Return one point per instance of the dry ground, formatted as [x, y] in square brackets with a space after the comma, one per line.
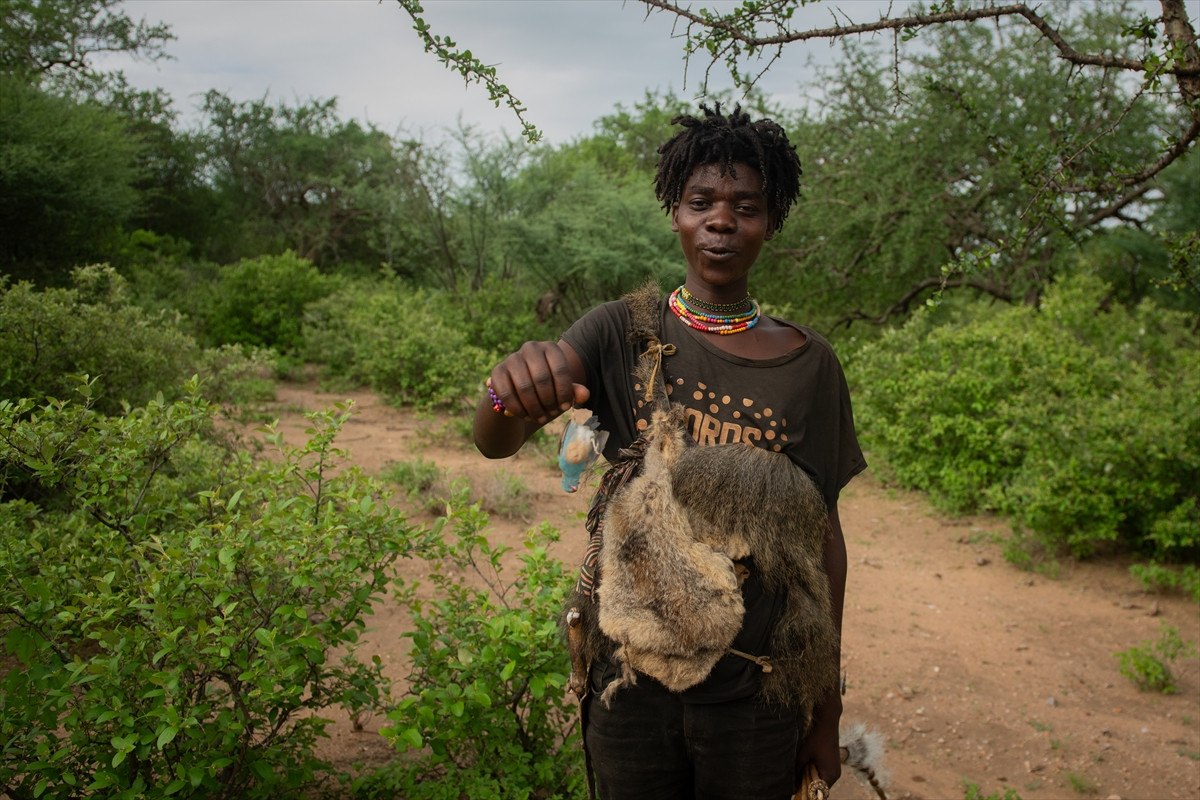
[971, 669]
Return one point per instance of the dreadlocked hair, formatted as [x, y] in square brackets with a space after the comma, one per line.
[727, 140]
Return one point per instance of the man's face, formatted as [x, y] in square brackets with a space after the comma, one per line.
[722, 222]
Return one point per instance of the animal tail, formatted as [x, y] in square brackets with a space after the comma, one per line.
[628, 678]
[862, 752]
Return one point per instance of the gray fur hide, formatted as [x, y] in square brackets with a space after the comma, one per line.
[670, 598]
[670, 602]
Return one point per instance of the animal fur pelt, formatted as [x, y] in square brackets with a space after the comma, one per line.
[745, 500]
[669, 601]
[643, 304]
[670, 597]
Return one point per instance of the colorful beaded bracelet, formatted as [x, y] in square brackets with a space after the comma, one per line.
[497, 403]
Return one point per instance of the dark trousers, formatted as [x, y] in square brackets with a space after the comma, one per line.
[652, 746]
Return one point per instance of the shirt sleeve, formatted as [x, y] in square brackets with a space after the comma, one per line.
[851, 460]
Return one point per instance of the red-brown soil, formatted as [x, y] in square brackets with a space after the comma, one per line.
[973, 670]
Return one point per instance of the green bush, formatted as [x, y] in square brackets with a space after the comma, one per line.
[169, 609]
[405, 343]
[417, 476]
[1185, 578]
[261, 301]
[49, 338]
[1079, 422]
[163, 277]
[1149, 665]
[972, 791]
[424, 483]
[487, 714]
[68, 176]
[499, 317]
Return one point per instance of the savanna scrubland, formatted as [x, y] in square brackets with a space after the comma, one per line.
[1016, 303]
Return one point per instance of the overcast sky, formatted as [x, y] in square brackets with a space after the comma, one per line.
[569, 61]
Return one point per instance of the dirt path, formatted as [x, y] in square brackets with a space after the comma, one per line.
[971, 669]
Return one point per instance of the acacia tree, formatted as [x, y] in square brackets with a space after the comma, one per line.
[55, 40]
[1069, 116]
[67, 177]
[475, 210]
[1152, 49]
[88, 158]
[298, 178]
[952, 184]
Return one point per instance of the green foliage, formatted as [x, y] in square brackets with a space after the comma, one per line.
[1081, 784]
[299, 178]
[169, 610]
[487, 714]
[473, 70]
[505, 494]
[416, 476]
[176, 198]
[67, 176]
[261, 301]
[496, 317]
[163, 278]
[961, 161]
[1077, 421]
[592, 235]
[54, 39]
[627, 140]
[422, 481]
[1149, 665]
[48, 338]
[405, 343]
[971, 791]
[1185, 578]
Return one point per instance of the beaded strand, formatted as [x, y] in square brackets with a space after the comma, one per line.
[681, 302]
[714, 308]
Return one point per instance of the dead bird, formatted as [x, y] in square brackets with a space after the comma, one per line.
[580, 445]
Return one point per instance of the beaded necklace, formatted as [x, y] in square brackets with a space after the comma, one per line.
[709, 317]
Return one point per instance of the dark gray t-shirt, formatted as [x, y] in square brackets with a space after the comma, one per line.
[796, 404]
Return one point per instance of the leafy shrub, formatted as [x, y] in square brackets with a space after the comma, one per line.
[1149, 665]
[1153, 575]
[48, 338]
[68, 177]
[506, 494]
[402, 342]
[486, 715]
[972, 791]
[169, 609]
[1078, 422]
[423, 483]
[162, 277]
[416, 475]
[261, 301]
[499, 317]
